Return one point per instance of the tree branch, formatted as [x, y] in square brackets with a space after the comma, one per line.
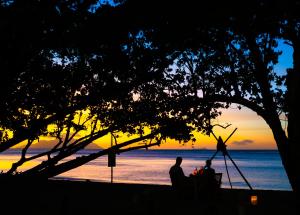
[22, 160]
[237, 100]
[68, 165]
[35, 129]
[71, 150]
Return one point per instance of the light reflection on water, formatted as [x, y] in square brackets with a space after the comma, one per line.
[262, 169]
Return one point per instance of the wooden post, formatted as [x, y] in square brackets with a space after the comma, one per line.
[111, 160]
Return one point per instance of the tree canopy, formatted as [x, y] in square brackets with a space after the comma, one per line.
[168, 66]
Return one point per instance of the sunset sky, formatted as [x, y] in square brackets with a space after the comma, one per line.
[252, 133]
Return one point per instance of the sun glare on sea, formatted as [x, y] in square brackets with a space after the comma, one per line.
[6, 164]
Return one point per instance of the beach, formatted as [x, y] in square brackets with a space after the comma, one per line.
[85, 197]
[142, 186]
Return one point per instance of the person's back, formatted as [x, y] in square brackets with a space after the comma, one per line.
[209, 176]
[209, 188]
[176, 174]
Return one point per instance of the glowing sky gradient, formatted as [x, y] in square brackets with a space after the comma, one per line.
[252, 132]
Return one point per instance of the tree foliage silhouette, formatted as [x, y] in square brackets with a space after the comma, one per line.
[131, 67]
[231, 57]
[71, 66]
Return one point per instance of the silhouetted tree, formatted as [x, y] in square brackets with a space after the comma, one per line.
[142, 68]
[232, 61]
[113, 73]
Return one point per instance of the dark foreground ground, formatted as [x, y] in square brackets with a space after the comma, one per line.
[84, 197]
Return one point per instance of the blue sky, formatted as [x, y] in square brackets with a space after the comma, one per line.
[285, 59]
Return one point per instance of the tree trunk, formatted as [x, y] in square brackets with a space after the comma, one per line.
[293, 86]
[283, 149]
[287, 147]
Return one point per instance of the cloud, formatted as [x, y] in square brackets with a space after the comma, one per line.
[242, 142]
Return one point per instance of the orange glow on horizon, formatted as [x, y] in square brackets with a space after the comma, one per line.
[252, 133]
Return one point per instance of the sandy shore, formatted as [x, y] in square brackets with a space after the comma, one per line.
[85, 197]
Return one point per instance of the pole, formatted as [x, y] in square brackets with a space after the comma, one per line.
[227, 171]
[240, 172]
[111, 168]
[230, 135]
[214, 155]
[111, 174]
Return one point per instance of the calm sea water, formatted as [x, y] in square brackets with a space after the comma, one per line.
[262, 168]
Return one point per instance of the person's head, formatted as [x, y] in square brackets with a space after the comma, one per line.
[178, 161]
[208, 163]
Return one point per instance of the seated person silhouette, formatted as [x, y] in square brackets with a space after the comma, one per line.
[208, 170]
[209, 177]
[177, 176]
[208, 194]
[209, 173]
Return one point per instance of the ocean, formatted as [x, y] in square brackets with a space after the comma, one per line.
[262, 168]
